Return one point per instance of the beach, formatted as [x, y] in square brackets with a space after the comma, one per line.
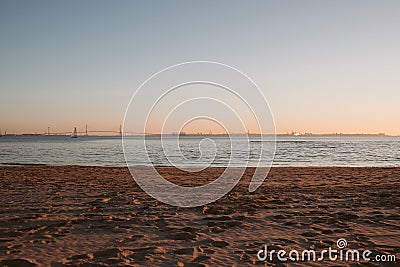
[98, 216]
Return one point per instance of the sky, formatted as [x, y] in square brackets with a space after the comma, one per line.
[324, 66]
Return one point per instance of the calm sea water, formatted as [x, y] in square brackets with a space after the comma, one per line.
[290, 151]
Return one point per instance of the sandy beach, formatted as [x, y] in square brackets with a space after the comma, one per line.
[98, 216]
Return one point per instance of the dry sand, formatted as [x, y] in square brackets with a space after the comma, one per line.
[94, 216]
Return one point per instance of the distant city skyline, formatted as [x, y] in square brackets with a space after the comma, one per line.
[191, 131]
[324, 66]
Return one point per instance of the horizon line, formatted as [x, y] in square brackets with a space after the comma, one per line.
[127, 134]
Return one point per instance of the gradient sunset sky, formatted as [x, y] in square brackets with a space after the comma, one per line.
[324, 66]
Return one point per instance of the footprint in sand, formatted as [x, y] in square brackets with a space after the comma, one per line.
[185, 251]
[186, 236]
[219, 244]
[17, 263]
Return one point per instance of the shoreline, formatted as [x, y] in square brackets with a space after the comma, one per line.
[16, 165]
[212, 135]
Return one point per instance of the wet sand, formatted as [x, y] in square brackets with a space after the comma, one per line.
[95, 216]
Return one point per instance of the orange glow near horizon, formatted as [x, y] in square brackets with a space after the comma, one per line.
[200, 126]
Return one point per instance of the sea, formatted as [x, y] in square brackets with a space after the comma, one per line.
[193, 151]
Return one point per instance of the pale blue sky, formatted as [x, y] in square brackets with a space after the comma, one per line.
[325, 66]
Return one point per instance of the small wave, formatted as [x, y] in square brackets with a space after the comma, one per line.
[280, 141]
[23, 164]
